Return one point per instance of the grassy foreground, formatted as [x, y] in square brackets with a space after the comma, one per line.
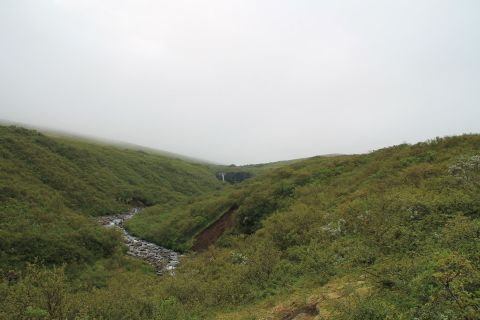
[393, 234]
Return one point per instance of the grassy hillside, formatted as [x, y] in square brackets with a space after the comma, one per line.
[278, 189]
[49, 186]
[393, 234]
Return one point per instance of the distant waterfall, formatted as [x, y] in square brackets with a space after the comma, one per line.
[233, 176]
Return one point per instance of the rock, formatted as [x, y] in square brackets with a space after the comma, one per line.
[302, 316]
[161, 258]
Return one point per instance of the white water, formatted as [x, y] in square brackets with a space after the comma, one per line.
[161, 258]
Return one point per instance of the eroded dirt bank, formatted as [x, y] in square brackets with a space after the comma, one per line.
[215, 230]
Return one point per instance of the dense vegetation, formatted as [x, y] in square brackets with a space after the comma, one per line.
[393, 234]
[49, 186]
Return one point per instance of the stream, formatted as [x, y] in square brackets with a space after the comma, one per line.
[161, 258]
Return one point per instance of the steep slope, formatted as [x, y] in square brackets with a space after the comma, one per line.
[391, 233]
[48, 186]
[284, 186]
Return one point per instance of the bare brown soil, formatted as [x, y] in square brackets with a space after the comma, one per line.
[304, 312]
[214, 231]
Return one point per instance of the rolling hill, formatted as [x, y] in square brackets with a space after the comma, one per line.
[50, 185]
[392, 234]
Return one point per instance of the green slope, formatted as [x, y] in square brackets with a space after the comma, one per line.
[283, 186]
[48, 186]
[393, 234]
[402, 222]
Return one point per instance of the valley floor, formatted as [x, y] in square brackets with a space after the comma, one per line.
[159, 257]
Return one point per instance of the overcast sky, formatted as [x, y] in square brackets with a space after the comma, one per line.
[244, 81]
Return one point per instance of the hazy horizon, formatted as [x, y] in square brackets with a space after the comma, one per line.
[243, 81]
[107, 141]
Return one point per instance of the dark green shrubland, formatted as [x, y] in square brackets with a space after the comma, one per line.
[404, 220]
[50, 187]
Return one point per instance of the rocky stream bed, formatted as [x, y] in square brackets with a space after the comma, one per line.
[161, 258]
